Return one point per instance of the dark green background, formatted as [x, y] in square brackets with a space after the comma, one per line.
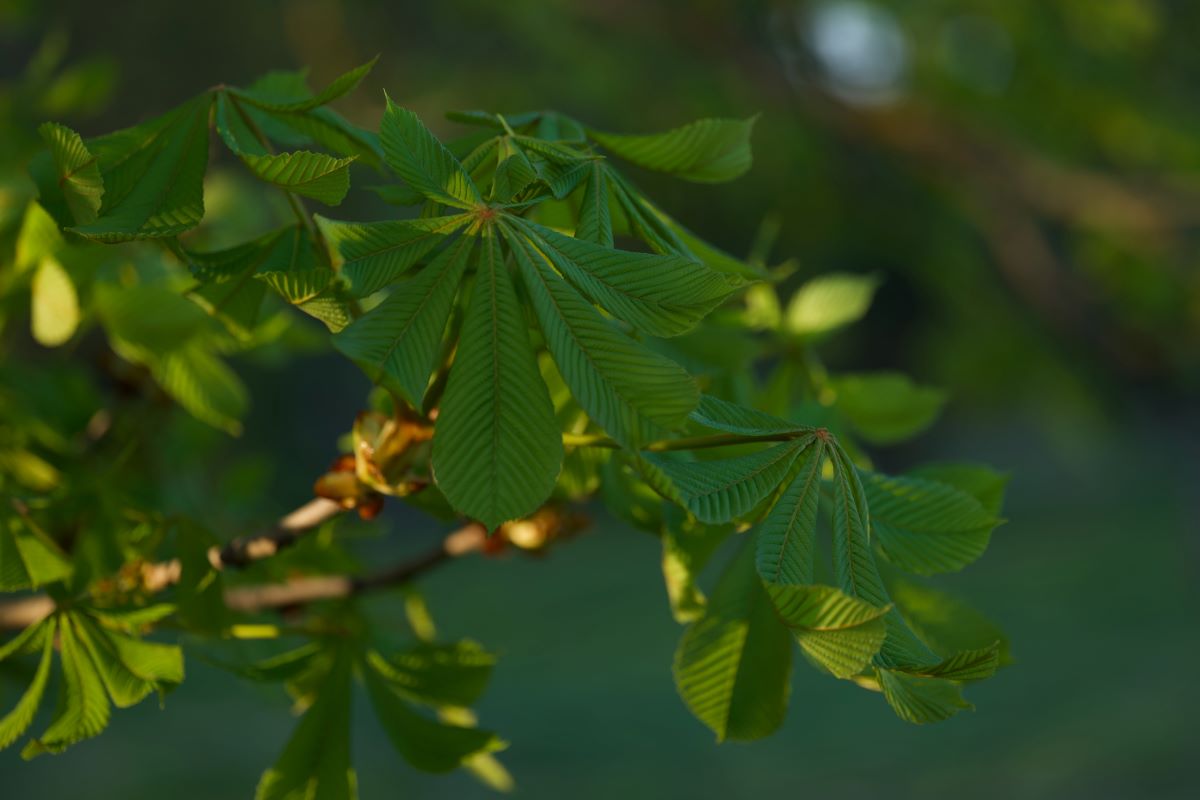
[1067, 338]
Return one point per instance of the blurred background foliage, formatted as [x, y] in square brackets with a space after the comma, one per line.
[1022, 176]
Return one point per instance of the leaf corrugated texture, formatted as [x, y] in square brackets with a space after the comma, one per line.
[722, 415]
[919, 699]
[839, 632]
[927, 527]
[424, 162]
[723, 489]
[317, 175]
[153, 176]
[629, 391]
[732, 667]
[855, 568]
[397, 342]
[83, 707]
[77, 171]
[786, 539]
[705, 151]
[595, 220]
[370, 255]
[497, 447]
[662, 295]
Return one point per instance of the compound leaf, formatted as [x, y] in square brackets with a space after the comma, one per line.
[625, 388]
[662, 295]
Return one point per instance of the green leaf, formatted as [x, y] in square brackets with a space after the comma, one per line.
[625, 388]
[270, 97]
[77, 172]
[130, 668]
[38, 238]
[968, 665]
[227, 289]
[921, 699]
[981, 482]
[397, 342]
[315, 763]
[497, 448]
[514, 171]
[55, 305]
[83, 705]
[28, 557]
[595, 222]
[839, 632]
[437, 675]
[424, 162]
[946, 622]
[662, 295]
[705, 151]
[886, 407]
[828, 302]
[205, 386]
[927, 527]
[314, 175]
[724, 489]
[27, 641]
[732, 667]
[721, 415]
[427, 745]
[687, 548]
[786, 539]
[665, 235]
[371, 255]
[855, 568]
[17, 721]
[153, 176]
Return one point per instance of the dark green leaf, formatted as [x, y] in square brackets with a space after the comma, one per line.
[397, 342]
[497, 448]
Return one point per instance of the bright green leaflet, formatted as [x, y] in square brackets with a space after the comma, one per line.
[732, 667]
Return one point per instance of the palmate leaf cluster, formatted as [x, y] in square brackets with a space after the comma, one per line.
[553, 336]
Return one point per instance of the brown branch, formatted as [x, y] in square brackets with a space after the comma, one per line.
[241, 552]
[155, 577]
[301, 591]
